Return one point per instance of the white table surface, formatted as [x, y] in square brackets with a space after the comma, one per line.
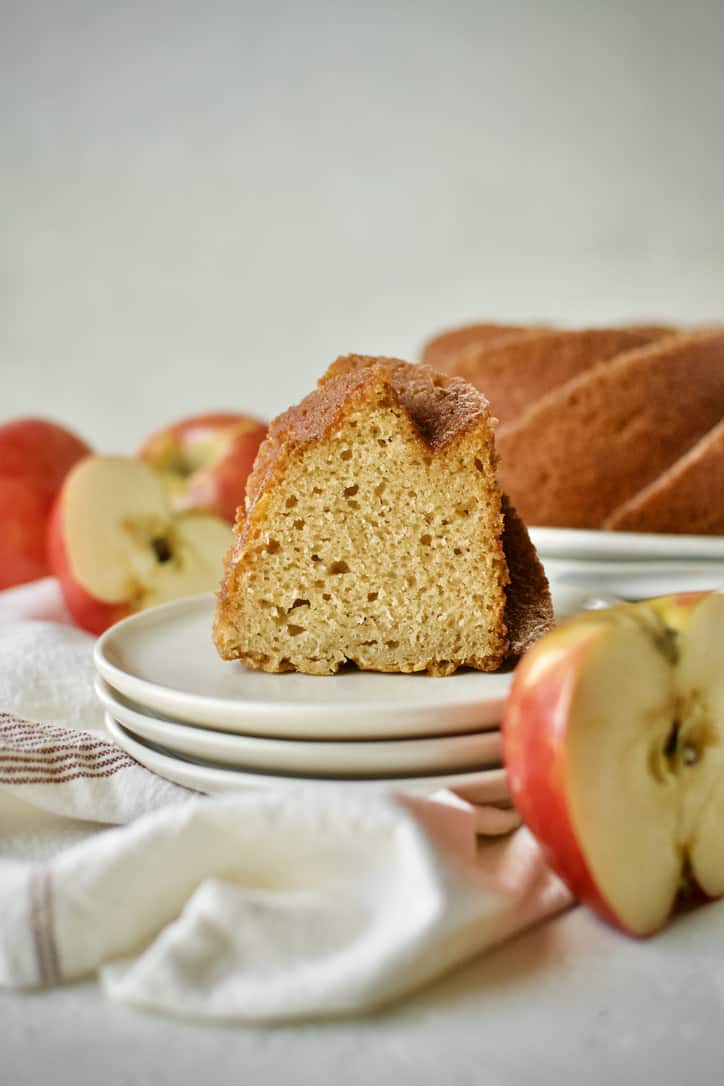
[570, 1001]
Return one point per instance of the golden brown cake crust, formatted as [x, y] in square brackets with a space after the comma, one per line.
[441, 407]
[516, 371]
[688, 498]
[441, 349]
[528, 610]
[576, 454]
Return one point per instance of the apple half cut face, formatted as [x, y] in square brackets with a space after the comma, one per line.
[614, 743]
[117, 546]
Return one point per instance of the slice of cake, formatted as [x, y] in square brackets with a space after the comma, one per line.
[374, 533]
[589, 445]
[688, 497]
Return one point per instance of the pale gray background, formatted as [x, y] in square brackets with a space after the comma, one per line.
[204, 202]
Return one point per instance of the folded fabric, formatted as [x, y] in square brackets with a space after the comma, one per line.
[76, 774]
[263, 906]
[41, 599]
[272, 906]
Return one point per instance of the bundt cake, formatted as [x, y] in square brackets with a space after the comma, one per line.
[519, 370]
[688, 497]
[513, 371]
[374, 532]
[577, 454]
[440, 351]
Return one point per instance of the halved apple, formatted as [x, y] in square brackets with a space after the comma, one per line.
[205, 460]
[613, 739]
[116, 545]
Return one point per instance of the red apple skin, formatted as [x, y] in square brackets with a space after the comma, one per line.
[35, 457]
[23, 513]
[228, 444]
[89, 613]
[220, 488]
[197, 429]
[533, 730]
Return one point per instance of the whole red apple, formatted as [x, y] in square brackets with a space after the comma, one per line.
[613, 740]
[116, 546]
[35, 457]
[205, 460]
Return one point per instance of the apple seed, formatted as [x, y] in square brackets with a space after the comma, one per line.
[162, 549]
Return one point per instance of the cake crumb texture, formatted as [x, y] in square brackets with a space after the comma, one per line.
[372, 532]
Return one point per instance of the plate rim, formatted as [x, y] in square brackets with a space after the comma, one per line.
[437, 781]
[549, 543]
[185, 707]
[134, 722]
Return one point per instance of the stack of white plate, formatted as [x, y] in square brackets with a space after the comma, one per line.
[629, 565]
[211, 725]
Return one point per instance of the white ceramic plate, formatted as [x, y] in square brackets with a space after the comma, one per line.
[577, 543]
[164, 660]
[353, 758]
[481, 786]
[629, 580]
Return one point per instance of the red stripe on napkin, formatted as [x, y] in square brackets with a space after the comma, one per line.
[33, 753]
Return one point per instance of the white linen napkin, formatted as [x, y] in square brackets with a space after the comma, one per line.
[249, 906]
